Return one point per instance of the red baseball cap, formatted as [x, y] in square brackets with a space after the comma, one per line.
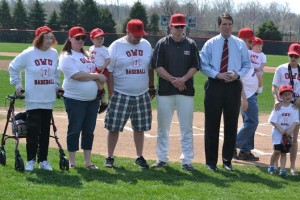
[42, 29]
[96, 32]
[136, 27]
[294, 49]
[178, 20]
[284, 88]
[76, 31]
[246, 33]
[257, 40]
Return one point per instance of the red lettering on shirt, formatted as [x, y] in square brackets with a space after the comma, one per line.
[39, 62]
[135, 52]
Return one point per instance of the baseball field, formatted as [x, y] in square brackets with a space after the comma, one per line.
[126, 181]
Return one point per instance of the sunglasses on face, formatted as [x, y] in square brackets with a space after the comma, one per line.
[177, 27]
[293, 56]
[81, 37]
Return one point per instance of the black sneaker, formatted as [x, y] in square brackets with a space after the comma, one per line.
[159, 164]
[188, 167]
[248, 156]
[212, 167]
[100, 94]
[141, 162]
[102, 108]
[109, 162]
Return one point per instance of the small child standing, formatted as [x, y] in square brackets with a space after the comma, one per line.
[100, 56]
[284, 122]
[258, 61]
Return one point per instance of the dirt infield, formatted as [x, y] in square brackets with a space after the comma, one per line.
[125, 146]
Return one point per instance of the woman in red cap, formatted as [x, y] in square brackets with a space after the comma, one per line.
[287, 74]
[41, 84]
[80, 92]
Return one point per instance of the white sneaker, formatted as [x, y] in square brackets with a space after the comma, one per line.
[45, 165]
[30, 165]
[293, 173]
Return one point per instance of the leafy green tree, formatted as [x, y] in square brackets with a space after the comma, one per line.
[154, 24]
[37, 15]
[89, 14]
[269, 31]
[19, 16]
[106, 21]
[5, 17]
[54, 22]
[138, 11]
[68, 14]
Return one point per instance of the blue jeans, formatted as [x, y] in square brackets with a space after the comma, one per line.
[245, 136]
[82, 116]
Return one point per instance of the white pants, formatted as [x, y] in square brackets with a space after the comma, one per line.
[165, 110]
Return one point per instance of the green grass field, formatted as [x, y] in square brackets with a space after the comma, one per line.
[128, 181]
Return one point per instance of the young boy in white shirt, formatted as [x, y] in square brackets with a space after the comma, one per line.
[284, 122]
[258, 61]
[100, 56]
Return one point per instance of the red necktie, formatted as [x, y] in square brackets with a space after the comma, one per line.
[224, 62]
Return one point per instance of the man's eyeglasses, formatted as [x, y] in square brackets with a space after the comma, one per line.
[177, 27]
[293, 56]
[81, 37]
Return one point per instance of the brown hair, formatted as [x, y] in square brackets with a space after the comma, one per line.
[225, 16]
[38, 41]
[67, 47]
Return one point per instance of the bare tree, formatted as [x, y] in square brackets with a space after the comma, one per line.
[221, 6]
[248, 15]
[169, 7]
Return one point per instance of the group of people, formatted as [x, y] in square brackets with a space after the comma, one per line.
[233, 66]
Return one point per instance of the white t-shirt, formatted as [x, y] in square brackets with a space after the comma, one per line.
[74, 89]
[257, 58]
[282, 77]
[285, 117]
[250, 82]
[99, 55]
[41, 76]
[129, 64]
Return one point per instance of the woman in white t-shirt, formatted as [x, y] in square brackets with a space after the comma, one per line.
[80, 91]
[41, 82]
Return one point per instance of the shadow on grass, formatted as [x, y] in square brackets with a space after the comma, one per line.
[59, 178]
[175, 176]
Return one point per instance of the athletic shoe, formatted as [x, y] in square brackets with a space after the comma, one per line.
[212, 167]
[248, 156]
[109, 162]
[45, 165]
[30, 165]
[293, 173]
[228, 167]
[100, 94]
[102, 108]
[188, 167]
[271, 170]
[141, 162]
[159, 164]
[283, 173]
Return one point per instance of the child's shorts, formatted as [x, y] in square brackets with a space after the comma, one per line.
[105, 72]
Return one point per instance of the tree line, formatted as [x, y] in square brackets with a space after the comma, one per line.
[272, 21]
